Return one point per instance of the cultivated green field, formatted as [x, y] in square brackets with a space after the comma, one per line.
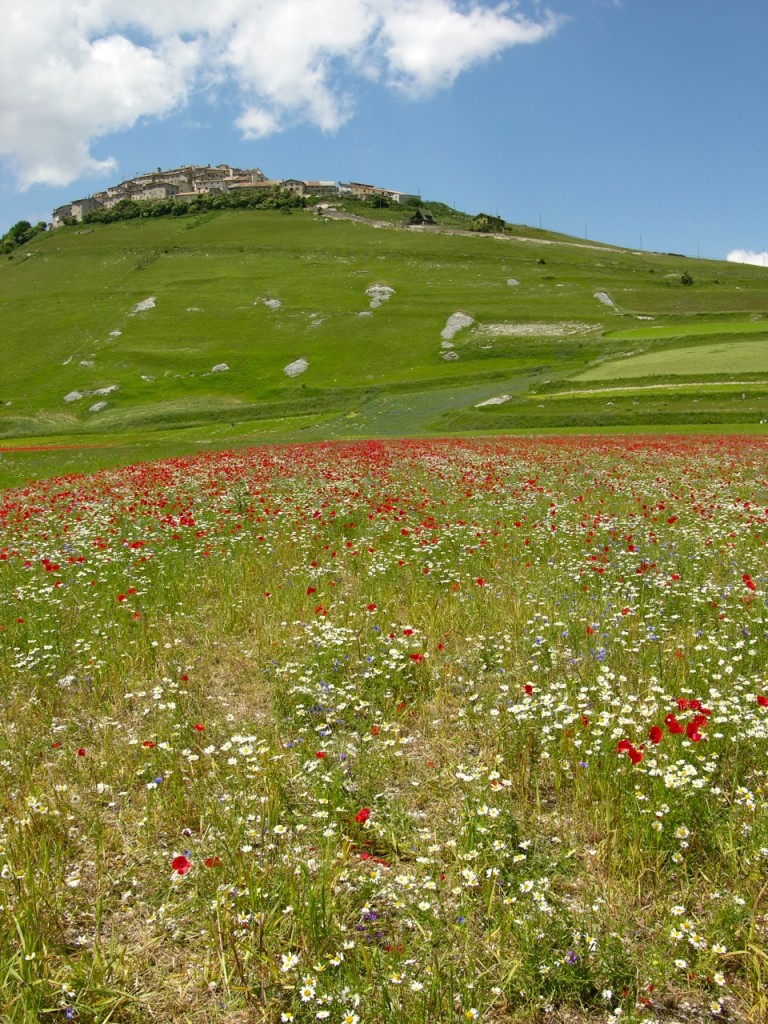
[133, 317]
[722, 358]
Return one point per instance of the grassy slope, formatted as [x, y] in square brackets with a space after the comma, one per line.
[380, 374]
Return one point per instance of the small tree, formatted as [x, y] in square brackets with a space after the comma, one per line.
[685, 278]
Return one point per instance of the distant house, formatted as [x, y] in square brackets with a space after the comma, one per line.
[82, 206]
[156, 191]
[60, 215]
[401, 198]
[358, 190]
[112, 197]
[308, 188]
[253, 186]
[487, 222]
[294, 185]
[321, 188]
[362, 191]
[421, 218]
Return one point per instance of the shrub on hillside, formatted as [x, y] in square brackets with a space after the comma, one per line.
[21, 233]
[131, 209]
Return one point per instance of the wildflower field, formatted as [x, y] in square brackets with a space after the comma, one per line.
[429, 731]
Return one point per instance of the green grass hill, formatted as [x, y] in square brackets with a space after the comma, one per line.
[114, 331]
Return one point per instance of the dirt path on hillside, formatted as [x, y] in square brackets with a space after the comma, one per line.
[653, 387]
[437, 229]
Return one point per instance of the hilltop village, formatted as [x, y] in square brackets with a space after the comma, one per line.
[187, 182]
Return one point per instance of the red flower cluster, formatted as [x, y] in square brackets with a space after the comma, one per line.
[691, 729]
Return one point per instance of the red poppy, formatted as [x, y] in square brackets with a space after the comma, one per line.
[655, 734]
[635, 756]
[692, 730]
[363, 815]
[148, 744]
[181, 865]
[622, 746]
[749, 583]
[198, 728]
[416, 657]
[311, 590]
[81, 751]
[211, 862]
[480, 581]
[371, 607]
[762, 700]
[528, 689]
[320, 754]
[673, 725]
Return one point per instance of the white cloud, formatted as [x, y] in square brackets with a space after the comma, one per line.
[757, 259]
[74, 72]
[431, 42]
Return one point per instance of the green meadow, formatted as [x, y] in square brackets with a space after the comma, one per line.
[255, 291]
[388, 732]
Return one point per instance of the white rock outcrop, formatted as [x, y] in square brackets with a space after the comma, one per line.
[296, 367]
[379, 293]
[498, 400]
[456, 322]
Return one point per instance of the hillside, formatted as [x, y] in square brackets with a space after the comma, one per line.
[134, 317]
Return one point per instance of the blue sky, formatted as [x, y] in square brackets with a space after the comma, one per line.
[630, 121]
